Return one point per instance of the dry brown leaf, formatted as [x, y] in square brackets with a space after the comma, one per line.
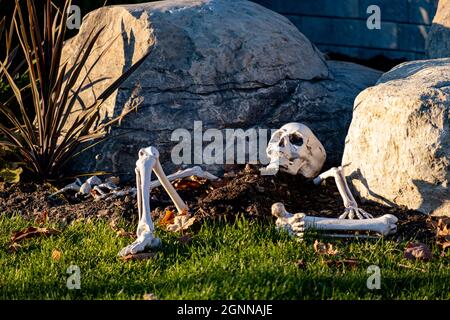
[353, 263]
[139, 256]
[301, 264]
[149, 296]
[41, 218]
[180, 223]
[122, 233]
[411, 267]
[56, 255]
[417, 251]
[32, 232]
[102, 213]
[442, 230]
[187, 184]
[115, 180]
[324, 249]
[168, 218]
[113, 224]
[14, 247]
[445, 246]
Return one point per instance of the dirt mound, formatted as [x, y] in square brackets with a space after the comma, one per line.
[245, 192]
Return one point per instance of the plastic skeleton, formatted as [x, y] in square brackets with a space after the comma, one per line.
[94, 187]
[148, 161]
[295, 149]
[297, 223]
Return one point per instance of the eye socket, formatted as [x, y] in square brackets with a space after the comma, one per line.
[296, 139]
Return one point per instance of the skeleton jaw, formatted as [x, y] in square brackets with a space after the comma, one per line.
[292, 167]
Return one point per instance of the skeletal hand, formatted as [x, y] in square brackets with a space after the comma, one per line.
[353, 211]
[351, 207]
[294, 224]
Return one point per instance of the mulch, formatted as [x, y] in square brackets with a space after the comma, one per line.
[242, 191]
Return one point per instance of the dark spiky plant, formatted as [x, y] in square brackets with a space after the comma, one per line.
[45, 141]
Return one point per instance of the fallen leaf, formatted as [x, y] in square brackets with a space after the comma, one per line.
[149, 296]
[14, 247]
[10, 175]
[42, 217]
[139, 256]
[113, 224]
[115, 180]
[443, 235]
[180, 223]
[168, 218]
[412, 267]
[56, 255]
[442, 230]
[417, 251]
[353, 263]
[187, 184]
[324, 249]
[102, 213]
[445, 246]
[32, 232]
[301, 264]
[126, 234]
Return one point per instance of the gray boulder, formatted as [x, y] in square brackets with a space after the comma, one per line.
[438, 40]
[397, 147]
[229, 64]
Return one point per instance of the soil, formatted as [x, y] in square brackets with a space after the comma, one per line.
[242, 191]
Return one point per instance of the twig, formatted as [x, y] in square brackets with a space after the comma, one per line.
[410, 267]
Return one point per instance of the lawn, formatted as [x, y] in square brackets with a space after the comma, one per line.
[240, 260]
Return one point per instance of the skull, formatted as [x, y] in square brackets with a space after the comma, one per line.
[295, 149]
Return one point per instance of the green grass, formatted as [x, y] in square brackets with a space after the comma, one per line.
[244, 260]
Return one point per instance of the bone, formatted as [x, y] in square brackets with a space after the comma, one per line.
[351, 206]
[194, 171]
[296, 150]
[179, 203]
[94, 181]
[145, 230]
[108, 185]
[85, 188]
[74, 186]
[383, 225]
[148, 161]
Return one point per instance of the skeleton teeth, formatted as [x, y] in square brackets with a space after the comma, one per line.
[304, 155]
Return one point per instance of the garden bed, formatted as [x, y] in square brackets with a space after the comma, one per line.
[241, 192]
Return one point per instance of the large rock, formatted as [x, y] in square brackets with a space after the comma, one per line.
[438, 40]
[397, 148]
[229, 64]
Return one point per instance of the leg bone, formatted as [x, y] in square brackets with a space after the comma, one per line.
[159, 172]
[350, 204]
[145, 230]
[194, 171]
[383, 225]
